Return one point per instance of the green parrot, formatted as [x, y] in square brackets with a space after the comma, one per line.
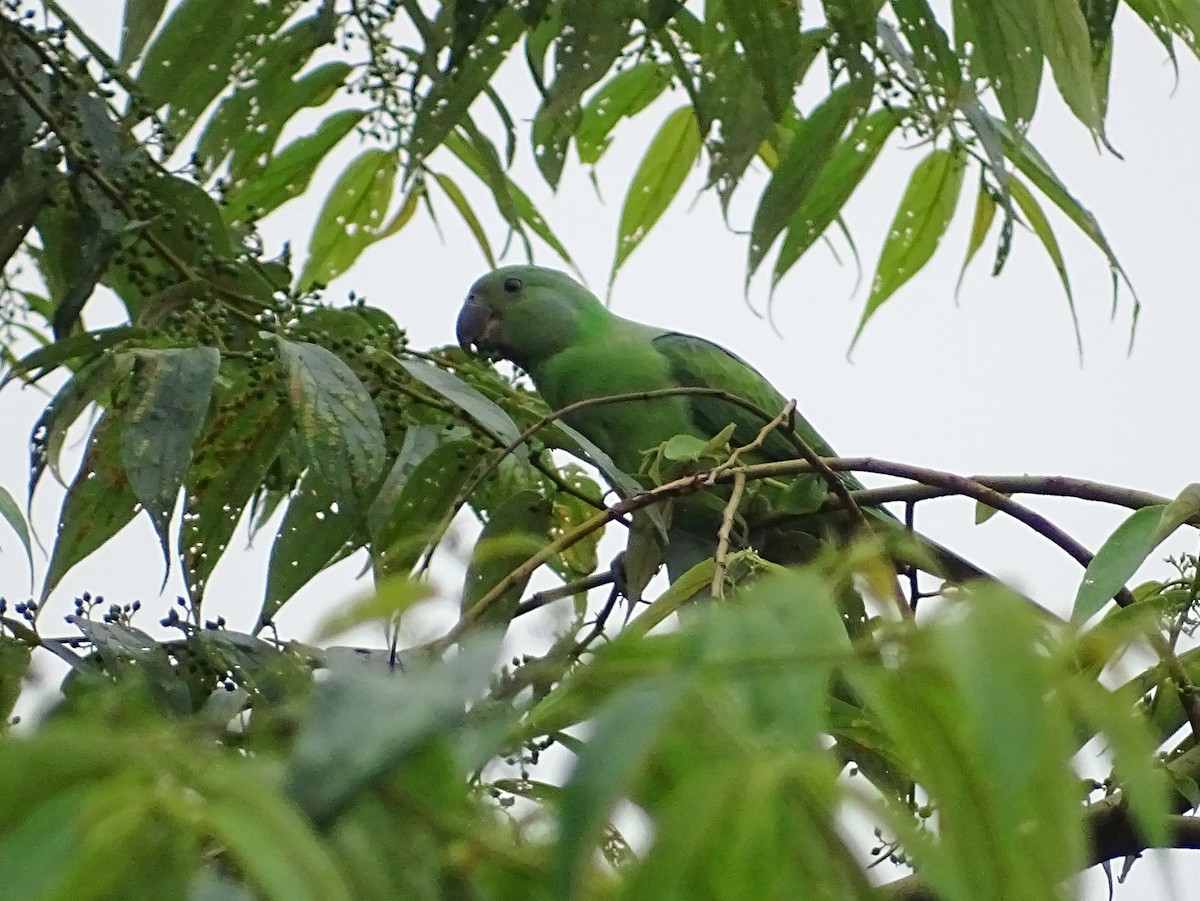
[575, 348]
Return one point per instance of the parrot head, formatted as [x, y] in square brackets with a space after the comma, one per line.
[522, 313]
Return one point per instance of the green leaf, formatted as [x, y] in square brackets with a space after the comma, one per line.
[925, 210]
[391, 598]
[1068, 47]
[771, 40]
[315, 532]
[1034, 167]
[1128, 547]
[460, 203]
[352, 216]
[669, 157]
[92, 382]
[774, 649]
[254, 131]
[189, 62]
[419, 442]
[140, 18]
[266, 838]
[1041, 227]
[590, 40]
[32, 367]
[834, 185]
[695, 581]
[337, 420]
[344, 742]
[229, 463]
[624, 95]
[10, 512]
[931, 50]
[514, 532]
[985, 213]
[483, 410]
[624, 734]
[99, 503]
[454, 90]
[1007, 45]
[812, 144]
[289, 172]
[14, 667]
[172, 390]
[1120, 556]
[428, 494]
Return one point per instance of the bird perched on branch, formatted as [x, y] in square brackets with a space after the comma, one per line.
[575, 349]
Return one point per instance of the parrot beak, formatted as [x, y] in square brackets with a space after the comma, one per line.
[474, 321]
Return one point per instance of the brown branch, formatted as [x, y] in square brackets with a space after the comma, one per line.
[699, 481]
[1046, 486]
[982, 493]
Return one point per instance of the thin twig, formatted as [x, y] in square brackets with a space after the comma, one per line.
[786, 415]
[721, 558]
[542, 598]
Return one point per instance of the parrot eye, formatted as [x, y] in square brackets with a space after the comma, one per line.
[513, 285]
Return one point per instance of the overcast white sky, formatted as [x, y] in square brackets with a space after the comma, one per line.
[992, 385]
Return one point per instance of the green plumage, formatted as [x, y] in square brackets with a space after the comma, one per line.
[574, 348]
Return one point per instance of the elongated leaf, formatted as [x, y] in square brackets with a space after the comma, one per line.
[1007, 47]
[771, 39]
[352, 216]
[484, 411]
[985, 213]
[229, 462]
[514, 204]
[315, 531]
[429, 492]
[344, 742]
[812, 144]
[50, 431]
[337, 420]
[419, 442]
[669, 157]
[392, 597]
[931, 50]
[592, 37]
[37, 364]
[624, 95]
[1068, 47]
[289, 172]
[189, 62]
[624, 734]
[1041, 227]
[834, 185]
[460, 202]
[1118, 558]
[10, 512]
[1034, 167]
[454, 90]
[140, 18]
[1128, 547]
[99, 503]
[925, 211]
[172, 391]
[514, 532]
[253, 144]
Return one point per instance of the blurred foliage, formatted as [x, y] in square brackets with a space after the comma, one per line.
[188, 760]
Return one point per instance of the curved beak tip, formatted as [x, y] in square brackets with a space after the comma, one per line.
[472, 323]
